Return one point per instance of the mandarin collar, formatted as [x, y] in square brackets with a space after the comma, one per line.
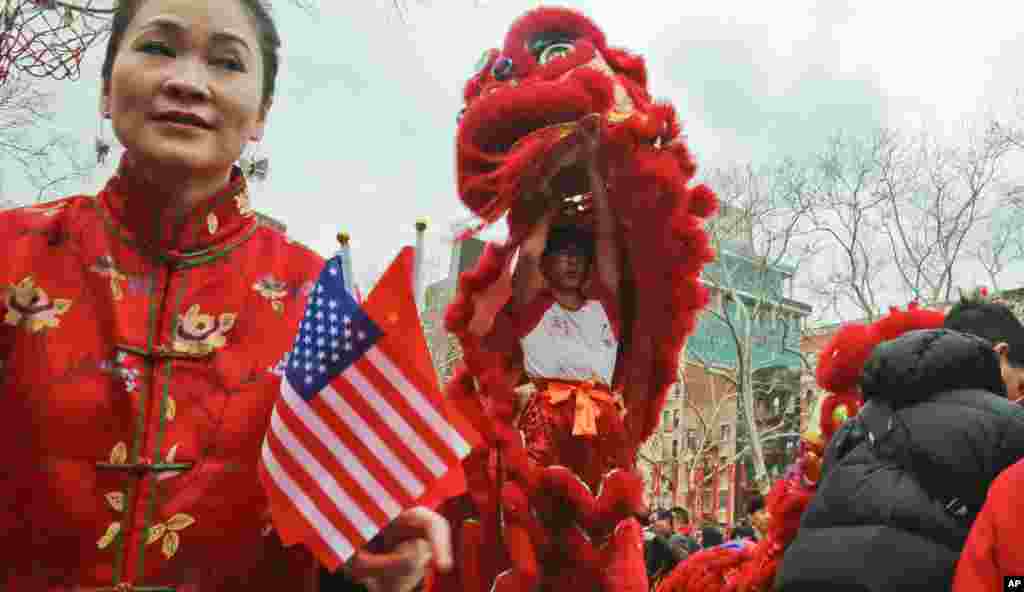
[217, 223]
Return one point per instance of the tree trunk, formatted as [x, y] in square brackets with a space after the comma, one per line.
[746, 388]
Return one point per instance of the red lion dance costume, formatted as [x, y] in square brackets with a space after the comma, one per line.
[840, 364]
[553, 506]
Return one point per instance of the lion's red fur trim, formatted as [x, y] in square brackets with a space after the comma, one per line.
[827, 423]
[708, 570]
[842, 360]
[898, 322]
[546, 19]
[490, 183]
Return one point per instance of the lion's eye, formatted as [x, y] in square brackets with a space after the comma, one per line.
[555, 51]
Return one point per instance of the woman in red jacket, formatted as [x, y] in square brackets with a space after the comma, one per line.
[141, 331]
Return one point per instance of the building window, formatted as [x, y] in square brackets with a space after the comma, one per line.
[725, 432]
[675, 419]
[691, 439]
[675, 448]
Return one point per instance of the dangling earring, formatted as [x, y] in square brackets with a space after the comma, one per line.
[253, 167]
[102, 144]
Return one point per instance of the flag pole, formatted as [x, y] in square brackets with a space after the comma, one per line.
[421, 228]
[345, 252]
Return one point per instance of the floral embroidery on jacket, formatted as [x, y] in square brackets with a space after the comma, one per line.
[29, 305]
[168, 532]
[106, 267]
[198, 333]
[273, 290]
[115, 499]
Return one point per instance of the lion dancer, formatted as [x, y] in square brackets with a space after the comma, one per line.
[563, 316]
[571, 330]
[564, 312]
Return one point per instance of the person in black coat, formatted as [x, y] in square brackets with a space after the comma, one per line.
[903, 480]
[658, 555]
[711, 537]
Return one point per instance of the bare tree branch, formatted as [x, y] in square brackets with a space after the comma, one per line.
[844, 204]
[763, 231]
[50, 161]
[938, 198]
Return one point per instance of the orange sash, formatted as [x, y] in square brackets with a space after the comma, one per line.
[587, 393]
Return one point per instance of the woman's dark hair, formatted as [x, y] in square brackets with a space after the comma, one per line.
[270, 39]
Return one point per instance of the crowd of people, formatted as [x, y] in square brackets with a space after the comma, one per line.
[670, 537]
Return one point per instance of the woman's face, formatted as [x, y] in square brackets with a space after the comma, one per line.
[186, 86]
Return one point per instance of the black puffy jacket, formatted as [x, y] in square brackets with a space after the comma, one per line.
[903, 480]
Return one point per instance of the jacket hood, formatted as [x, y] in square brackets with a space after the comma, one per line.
[921, 364]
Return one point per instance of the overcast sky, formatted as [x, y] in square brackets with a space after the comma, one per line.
[361, 134]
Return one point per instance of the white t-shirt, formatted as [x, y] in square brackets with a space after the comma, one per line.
[572, 345]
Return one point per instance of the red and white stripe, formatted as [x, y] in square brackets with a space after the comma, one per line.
[365, 448]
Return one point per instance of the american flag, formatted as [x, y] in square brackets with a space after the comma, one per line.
[361, 430]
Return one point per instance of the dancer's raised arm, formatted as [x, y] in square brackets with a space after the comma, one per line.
[607, 257]
[528, 279]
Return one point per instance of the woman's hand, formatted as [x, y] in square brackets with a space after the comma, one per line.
[398, 558]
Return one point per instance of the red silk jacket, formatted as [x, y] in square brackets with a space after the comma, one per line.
[993, 550]
[139, 374]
